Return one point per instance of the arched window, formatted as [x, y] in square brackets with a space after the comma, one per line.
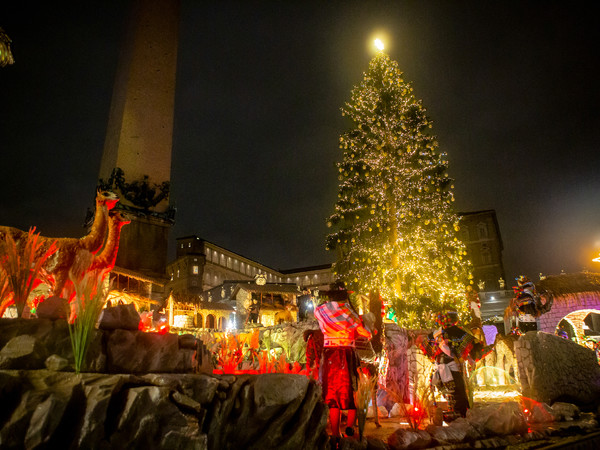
[486, 254]
[199, 321]
[482, 230]
[210, 321]
[466, 237]
[221, 324]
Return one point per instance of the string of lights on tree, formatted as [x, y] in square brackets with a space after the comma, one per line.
[393, 228]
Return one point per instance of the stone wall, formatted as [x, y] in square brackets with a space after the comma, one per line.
[27, 344]
[48, 409]
[566, 304]
[46, 405]
[555, 369]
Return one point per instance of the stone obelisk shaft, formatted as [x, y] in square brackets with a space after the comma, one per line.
[136, 161]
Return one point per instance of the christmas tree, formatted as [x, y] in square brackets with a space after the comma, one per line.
[394, 229]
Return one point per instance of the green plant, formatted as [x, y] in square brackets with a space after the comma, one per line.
[22, 264]
[90, 296]
[364, 394]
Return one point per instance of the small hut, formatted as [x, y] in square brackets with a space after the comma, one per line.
[275, 299]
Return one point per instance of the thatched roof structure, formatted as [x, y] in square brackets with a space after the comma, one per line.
[269, 288]
[570, 284]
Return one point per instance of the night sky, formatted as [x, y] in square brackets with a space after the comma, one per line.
[512, 89]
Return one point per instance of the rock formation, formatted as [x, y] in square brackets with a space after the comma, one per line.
[45, 409]
[555, 369]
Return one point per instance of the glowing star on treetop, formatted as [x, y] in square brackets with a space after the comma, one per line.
[379, 44]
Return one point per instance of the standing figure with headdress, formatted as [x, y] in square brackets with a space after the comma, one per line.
[338, 370]
[448, 347]
[525, 305]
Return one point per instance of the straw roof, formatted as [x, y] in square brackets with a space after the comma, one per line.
[269, 288]
[572, 283]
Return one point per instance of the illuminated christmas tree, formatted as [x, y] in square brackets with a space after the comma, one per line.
[394, 229]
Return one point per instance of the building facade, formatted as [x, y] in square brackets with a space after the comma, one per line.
[480, 232]
[200, 266]
[206, 273]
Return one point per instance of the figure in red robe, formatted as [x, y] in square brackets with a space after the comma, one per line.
[338, 371]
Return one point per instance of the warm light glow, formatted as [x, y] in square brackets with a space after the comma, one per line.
[393, 228]
[379, 44]
[596, 259]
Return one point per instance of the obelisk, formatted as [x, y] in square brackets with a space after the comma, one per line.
[136, 162]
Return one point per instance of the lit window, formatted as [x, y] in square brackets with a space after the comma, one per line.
[177, 273]
[195, 270]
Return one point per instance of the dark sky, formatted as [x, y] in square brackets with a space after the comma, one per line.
[512, 88]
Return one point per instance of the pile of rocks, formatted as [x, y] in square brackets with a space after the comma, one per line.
[498, 425]
[117, 346]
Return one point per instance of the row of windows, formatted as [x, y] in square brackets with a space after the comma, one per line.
[237, 266]
[248, 270]
[482, 232]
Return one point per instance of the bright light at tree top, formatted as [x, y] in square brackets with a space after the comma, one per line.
[394, 230]
[379, 44]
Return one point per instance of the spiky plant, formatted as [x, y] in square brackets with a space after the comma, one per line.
[90, 296]
[22, 263]
[421, 405]
[364, 394]
[6, 297]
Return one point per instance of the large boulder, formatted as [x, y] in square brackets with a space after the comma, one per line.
[138, 352]
[44, 414]
[41, 329]
[268, 411]
[23, 352]
[498, 419]
[123, 317]
[407, 439]
[555, 369]
[150, 419]
[53, 308]
[565, 411]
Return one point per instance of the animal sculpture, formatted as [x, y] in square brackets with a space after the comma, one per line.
[106, 259]
[69, 250]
